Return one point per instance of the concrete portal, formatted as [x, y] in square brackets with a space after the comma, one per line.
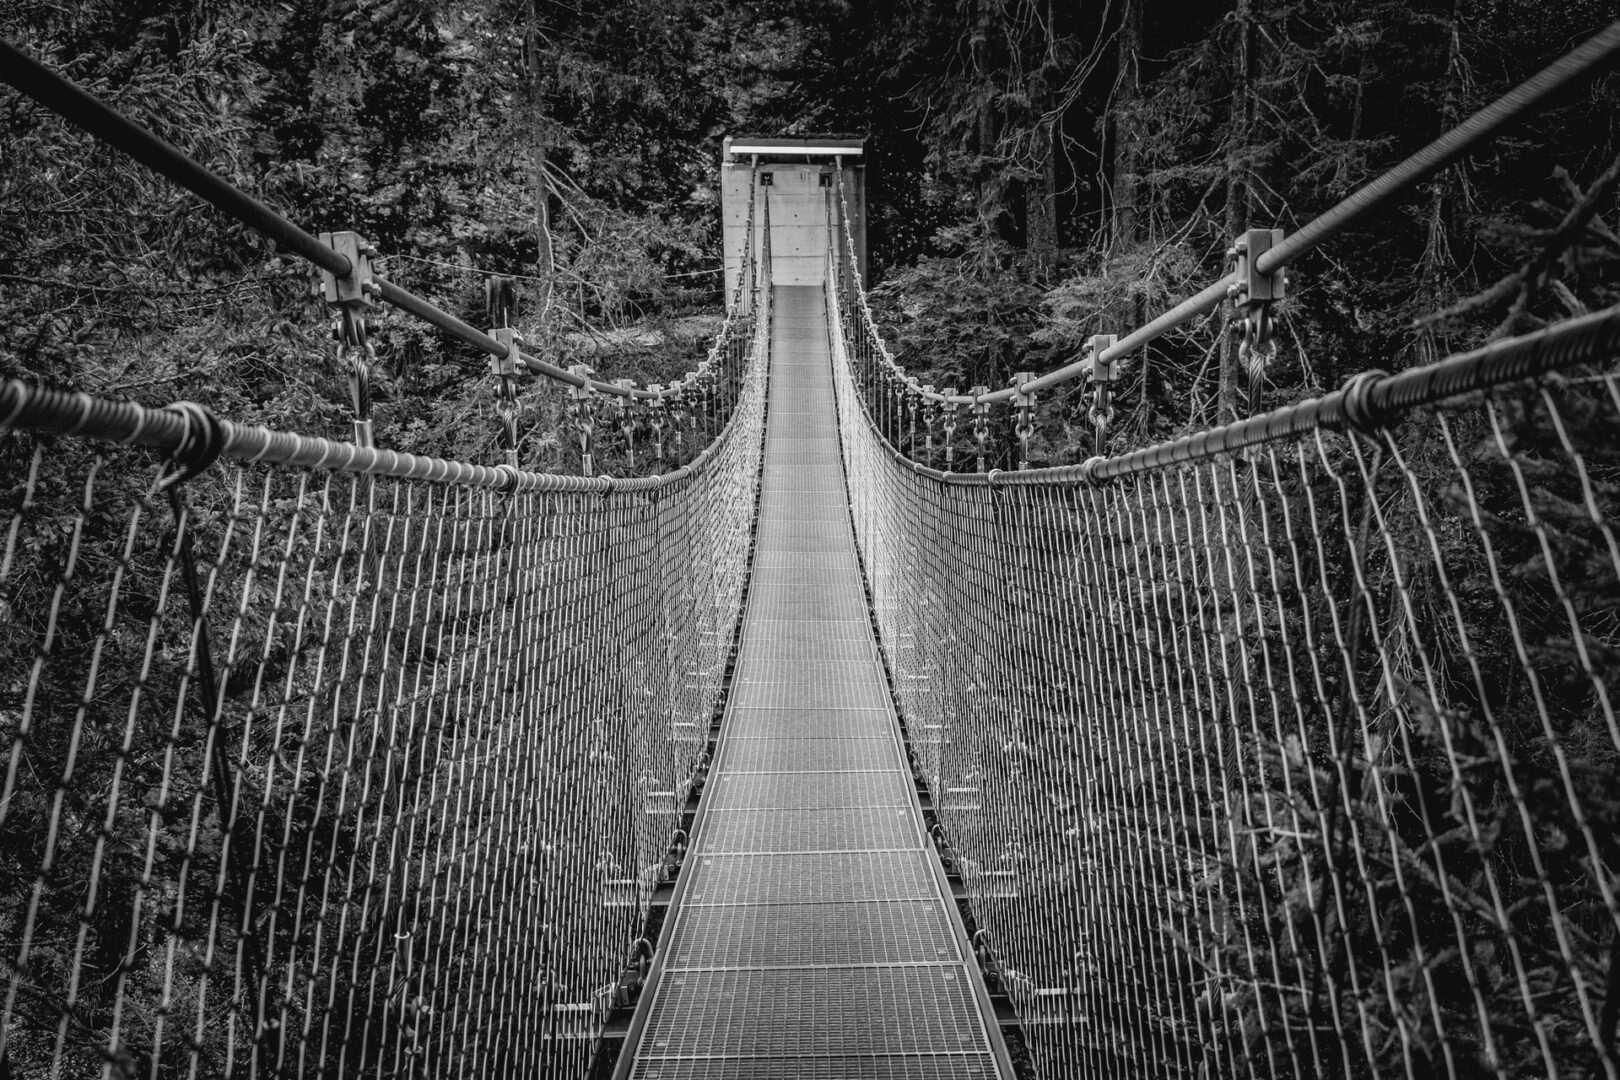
[797, 176]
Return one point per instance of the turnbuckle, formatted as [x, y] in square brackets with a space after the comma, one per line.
[949, 407]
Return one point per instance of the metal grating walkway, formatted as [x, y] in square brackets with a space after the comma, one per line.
[813, 936]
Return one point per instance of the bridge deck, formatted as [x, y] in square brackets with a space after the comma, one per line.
[812, 936]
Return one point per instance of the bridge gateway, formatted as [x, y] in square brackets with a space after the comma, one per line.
[800, 176]
[1273, 751]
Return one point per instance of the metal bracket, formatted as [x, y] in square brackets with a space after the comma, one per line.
[352, 295]
[1103, 371]
[1254, 293]
[1253, 287]
[1103, 376]
[359, 286]
[506, 366]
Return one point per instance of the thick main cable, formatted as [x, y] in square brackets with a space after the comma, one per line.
[1568, 71]
[94, 116]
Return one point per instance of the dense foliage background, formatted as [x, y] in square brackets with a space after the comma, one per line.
[1040, 172]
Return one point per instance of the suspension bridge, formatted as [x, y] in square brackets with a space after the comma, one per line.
[860, 745]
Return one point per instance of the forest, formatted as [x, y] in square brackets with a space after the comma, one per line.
[1039, 173]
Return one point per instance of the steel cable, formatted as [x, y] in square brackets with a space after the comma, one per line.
[413, 822]
[1287, 749]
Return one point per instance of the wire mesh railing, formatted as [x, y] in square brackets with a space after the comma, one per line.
[335, 762]
[1281, 751]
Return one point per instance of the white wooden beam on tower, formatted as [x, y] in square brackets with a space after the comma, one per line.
[797, 176]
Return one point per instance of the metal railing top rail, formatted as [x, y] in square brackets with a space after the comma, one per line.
[1584, 62]
[85, 110]
[191, 432]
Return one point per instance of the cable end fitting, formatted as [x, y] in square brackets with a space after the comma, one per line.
[202, 440]
[1359, 410]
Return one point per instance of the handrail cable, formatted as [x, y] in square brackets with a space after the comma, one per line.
[1582, 63]
[83, 109]
[1367, 401]
[28, 407]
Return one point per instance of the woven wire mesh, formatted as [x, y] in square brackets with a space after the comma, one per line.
[329, 775]
[1290, 763]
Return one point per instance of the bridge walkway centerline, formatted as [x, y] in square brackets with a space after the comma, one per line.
[813, 934]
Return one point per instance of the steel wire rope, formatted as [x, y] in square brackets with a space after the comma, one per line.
[1584, 62]
[386, 774]
[86, 111]
[1270, 630]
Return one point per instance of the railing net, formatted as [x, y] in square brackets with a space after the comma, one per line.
[321, 774]
[1295, 762]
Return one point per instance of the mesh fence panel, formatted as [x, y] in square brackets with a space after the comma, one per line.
[321, 774]
[1295, 762]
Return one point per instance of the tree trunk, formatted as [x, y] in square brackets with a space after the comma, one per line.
[545, 257]
[1040, 191]
[1127, 152]
[1233, 396]
[1437, 259]
[987, 21]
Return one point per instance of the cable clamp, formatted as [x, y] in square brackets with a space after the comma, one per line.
[1253, 287]
[585, 391]
[1359, 411]
[507, 366]
[1100, 370]
[1254, 293]
[201, 442]
[357, 288]
[511, 475]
